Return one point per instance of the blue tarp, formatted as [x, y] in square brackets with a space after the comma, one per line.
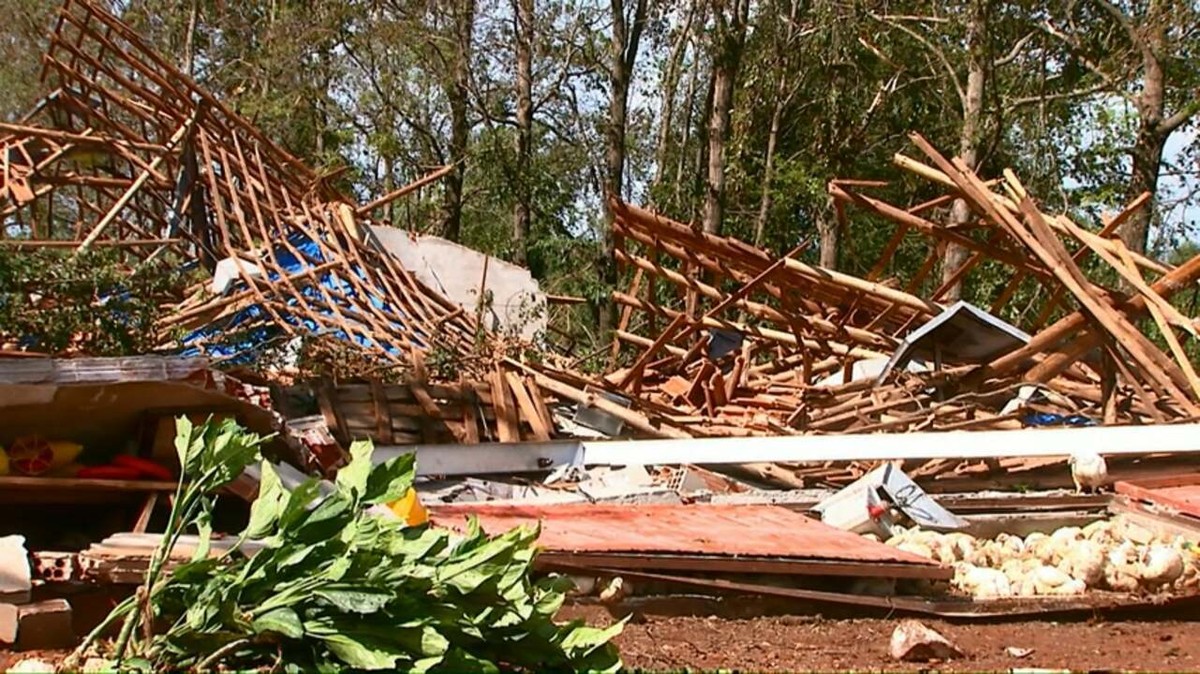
[1048, 419]
[229, 341]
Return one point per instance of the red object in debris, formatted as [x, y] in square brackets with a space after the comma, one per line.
[145, 467]
[875, 511]
[719, 530]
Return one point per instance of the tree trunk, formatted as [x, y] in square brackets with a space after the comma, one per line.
[522, 211]
[457, 94]
[623, 52]
[681, 161]
[666, 113]
[764, 204]
[782, 98]
[1151, 138]
[830, 232]
[731, 37]
[1147, 159]
[968, 140]
[189, 40]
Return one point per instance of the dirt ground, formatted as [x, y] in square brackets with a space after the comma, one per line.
[807, 643]
[796, 643]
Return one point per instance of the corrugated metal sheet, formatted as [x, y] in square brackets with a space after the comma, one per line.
[698, 529]
[1180, 492]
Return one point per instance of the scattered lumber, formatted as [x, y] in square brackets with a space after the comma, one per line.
[745, 343]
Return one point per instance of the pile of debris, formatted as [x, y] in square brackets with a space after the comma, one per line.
[126, 151]
[727, 340]
[748, 344]
[717, 341]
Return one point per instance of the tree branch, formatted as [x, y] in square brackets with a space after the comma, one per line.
[1014, 52]
[1180, 117]
[1135, 38]
[1062, 95]
[635, 36]
[1076, 50]
[941, 55]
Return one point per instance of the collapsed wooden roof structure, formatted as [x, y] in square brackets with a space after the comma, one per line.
[788, 325]
[721, 338]
[127, 151]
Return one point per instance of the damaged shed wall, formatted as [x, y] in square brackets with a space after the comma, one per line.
[518, 304]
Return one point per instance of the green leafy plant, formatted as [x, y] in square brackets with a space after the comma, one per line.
[53, 301]
[327, 582]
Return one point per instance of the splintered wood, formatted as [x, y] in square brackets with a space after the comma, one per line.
[722, 338]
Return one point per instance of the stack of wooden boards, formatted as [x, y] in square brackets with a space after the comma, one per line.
[505, 407]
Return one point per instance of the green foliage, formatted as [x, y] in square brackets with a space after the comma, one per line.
[53, 302]
[333, 586]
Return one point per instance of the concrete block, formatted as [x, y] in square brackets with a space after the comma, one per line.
[16, 576]
[45, 625]
[10, 618]
[913, 641]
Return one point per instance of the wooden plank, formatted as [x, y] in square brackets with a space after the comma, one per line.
[540, 403]
[383, 413]
[145, 513]
[526, 407]
[469, 419]
[330, 411]
[715, 564]
[635, 372]
[21, 483]
[507, 425]
[426, 401]
[626, 314]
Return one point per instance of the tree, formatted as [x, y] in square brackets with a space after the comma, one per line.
[1144, 53]
[627, 29]
[458, 91]
[523, 33]
[21, 45]
[729, 39]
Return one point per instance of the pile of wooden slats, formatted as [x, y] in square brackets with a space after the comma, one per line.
[715, 337]
[128, 152]
[505, 407]
[792, 324]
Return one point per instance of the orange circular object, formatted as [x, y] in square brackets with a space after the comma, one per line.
[31, 455]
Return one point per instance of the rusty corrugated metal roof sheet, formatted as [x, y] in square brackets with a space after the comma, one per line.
[698, 529]
[1180, 492]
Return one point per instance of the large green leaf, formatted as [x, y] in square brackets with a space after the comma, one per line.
[391, 479]
[360, 600]
[417, 543]
[282, 620]
[204, 529]
[267, 509]
[359, 655]
[582, 640]
[186, 444]
[298, 502]
[480, 564]
[352, 478]
[326, 520]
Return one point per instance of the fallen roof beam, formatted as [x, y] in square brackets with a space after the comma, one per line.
[1169, 438]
